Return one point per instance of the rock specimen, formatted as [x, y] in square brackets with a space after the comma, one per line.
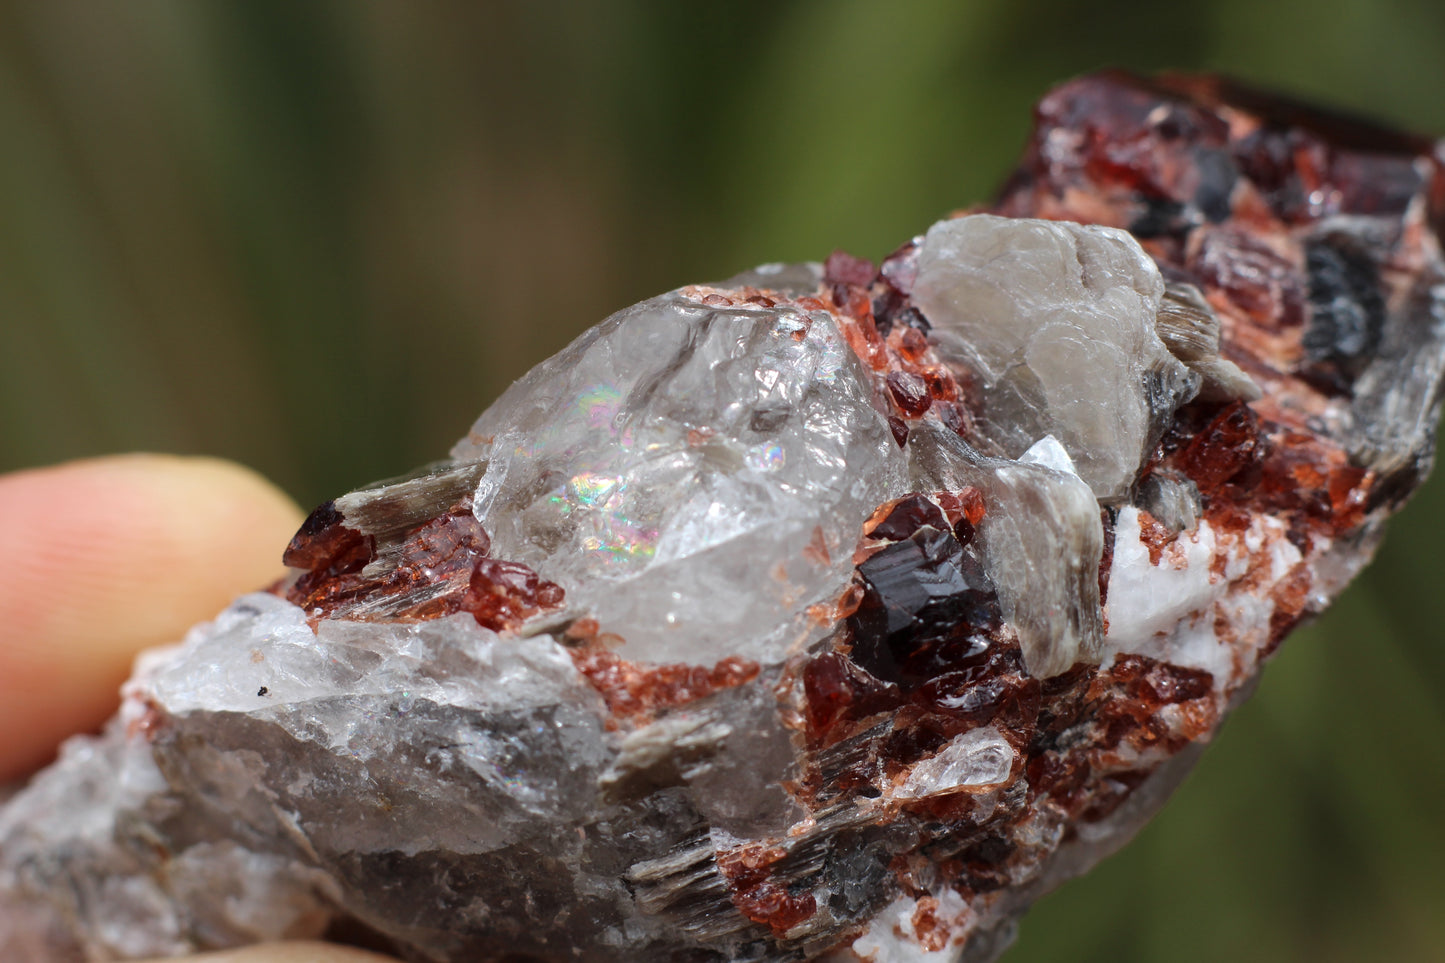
[831, 611]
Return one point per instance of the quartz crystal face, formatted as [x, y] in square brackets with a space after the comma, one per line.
[829, 612]
[653, 465]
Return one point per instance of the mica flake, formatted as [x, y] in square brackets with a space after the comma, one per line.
[833, 611]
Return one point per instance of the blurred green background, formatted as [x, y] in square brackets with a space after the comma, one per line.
[320, 237]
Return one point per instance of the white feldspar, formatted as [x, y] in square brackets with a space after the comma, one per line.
[893, 936]
[1165, 611]
[1173, 610]
[1058, 322]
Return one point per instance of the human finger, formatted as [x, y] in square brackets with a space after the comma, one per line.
[103, 557]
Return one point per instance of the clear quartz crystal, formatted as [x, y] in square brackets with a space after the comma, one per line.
[651, 464]
[973, 761]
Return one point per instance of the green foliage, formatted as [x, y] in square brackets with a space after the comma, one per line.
[318, 237]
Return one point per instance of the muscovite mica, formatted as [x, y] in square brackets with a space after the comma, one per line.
[830, 611]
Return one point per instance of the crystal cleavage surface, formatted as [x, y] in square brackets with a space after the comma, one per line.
[833, 611]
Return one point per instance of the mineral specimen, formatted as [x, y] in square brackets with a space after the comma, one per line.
[830, 611]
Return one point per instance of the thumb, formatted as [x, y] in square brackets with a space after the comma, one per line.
[101, 558]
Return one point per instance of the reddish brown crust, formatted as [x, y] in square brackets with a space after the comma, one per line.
[502, 595]
[637, 692]
[1226, 446]
[1155, 536]
[440, 568]
[932, 933]
[756, 891]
